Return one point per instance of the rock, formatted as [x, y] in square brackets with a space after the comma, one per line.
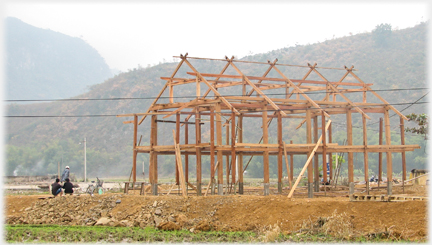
[192, 230]
[168, 226]
[118, 201]
[104, 213]
[157, 220]
[158, 211]
[103, 221]
[155, 204]
[27, 209]
[171, 218]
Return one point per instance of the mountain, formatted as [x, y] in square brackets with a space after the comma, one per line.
[44, 64]
[393, 60]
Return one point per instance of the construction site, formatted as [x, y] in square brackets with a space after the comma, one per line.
[225, 118]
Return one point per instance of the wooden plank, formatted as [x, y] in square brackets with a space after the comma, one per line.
[212, 144]
[186, 155]
[315, 159]
[287, 166]
[291, 166]
[307, 162]
[211, 179]
[177, 142]
[180, 166]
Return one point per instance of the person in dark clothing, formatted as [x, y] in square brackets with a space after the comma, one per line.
[68, 187]
[56, 188]
[65, 174]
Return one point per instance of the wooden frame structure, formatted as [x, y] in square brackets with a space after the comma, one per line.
[231, 111]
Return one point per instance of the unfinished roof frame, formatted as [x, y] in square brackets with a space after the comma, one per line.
[235, 108]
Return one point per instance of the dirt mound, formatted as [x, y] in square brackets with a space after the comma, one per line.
[225, 213]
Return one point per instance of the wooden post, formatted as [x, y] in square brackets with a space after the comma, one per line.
[233, 152]
[380, 154]
[287, 165]
[227, 139]
[211, 180]
[212, 150]
[330, 154]
[198, 150]
[309, 141]
[134, 156]
[389, 154]
[186, 155]
[402, 131]
[153, 155]
[365, 154]
[240, 157]
[177, 141]
[324, 154]
[291, 165]
[350, 154]
[266, 153]
[316, 167]
[219, 143]
[279, 159]
[180, 166]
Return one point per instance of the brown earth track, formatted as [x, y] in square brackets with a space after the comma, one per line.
[227, 213]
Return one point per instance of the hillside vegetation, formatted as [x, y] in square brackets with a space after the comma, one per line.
[44, 64]
[391, 59]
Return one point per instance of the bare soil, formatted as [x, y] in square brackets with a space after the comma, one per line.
[225, 213]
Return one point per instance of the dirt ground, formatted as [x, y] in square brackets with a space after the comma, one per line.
[226, 213]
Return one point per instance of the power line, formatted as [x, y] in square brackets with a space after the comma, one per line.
[33, 116]
[187, 97]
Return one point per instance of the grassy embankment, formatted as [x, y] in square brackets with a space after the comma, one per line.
[54, 233]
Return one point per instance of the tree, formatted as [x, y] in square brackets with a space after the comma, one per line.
[422, 121]
[382, 34]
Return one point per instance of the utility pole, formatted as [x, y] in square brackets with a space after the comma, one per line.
[85, 161]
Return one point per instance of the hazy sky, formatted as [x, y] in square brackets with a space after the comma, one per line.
[128, 33]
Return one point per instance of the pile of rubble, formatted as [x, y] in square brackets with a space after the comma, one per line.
[105, 210]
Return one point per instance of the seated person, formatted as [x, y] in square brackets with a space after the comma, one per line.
[56, 188]
[68, 187]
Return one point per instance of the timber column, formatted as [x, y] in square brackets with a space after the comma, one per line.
[389, 154]
[266, 153]
[153, 155]
[240, 156]
[309, 141]
[198, 150]
[212, 151]
[219, 151]
[316, 167]
[279, 158]
[350, 154]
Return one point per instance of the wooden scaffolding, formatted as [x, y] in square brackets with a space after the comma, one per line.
[232, 111]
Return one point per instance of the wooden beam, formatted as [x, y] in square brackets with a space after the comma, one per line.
[219, 142]
[309, 140]
[324, 153]
[389, 154]
[279, 158]
[134, 148]
[402, 132]
[233, 151]
[198, 151]
[380, 154]
[211, 179]
[287, 166]
[180, 166]
[212, 88]
[259, 91]
[377, 95]
[300, 92]
[312, 153]
[365, 155]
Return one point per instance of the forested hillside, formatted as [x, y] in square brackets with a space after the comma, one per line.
[391, 59]
[44, 64]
